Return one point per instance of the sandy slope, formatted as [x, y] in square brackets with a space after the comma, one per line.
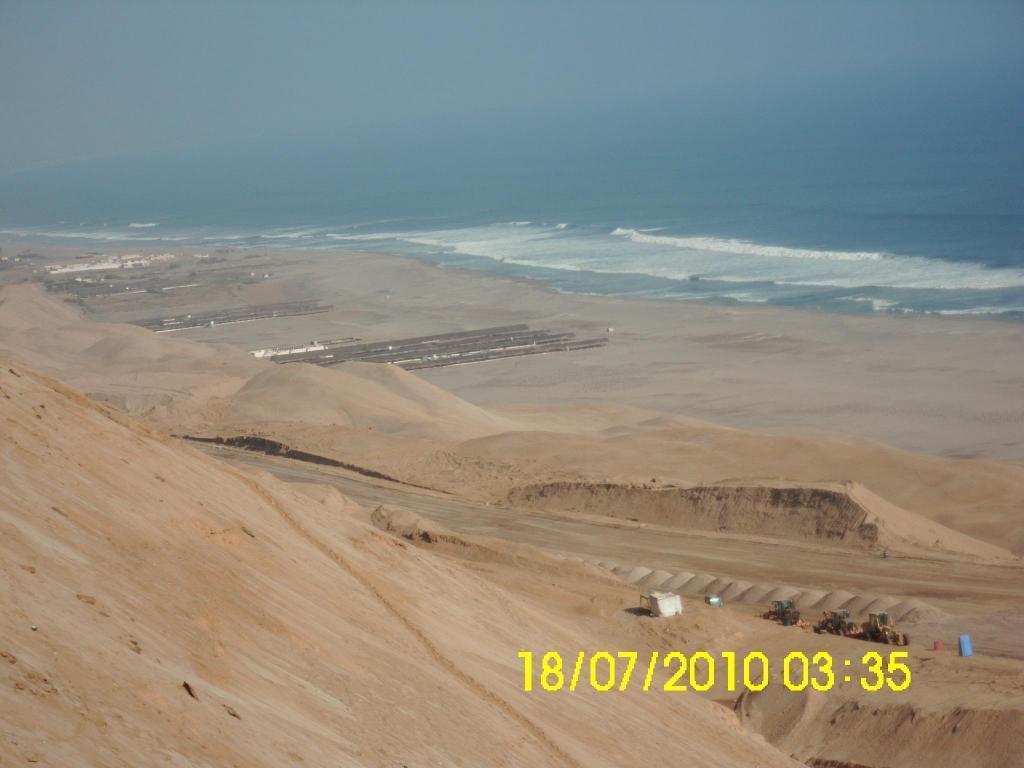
[135, 369]
[354, 396]
[179, 383]
[310, 637]
[306, 637]
[839, 513]
[979, 498]
[394, 421]
[956, 712]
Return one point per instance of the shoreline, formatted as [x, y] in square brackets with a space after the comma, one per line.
[946, 385]
[883, 298]
[145, 249]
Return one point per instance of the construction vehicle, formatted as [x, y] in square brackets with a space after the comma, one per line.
[784, 612]
[880, 628]
[838, 622]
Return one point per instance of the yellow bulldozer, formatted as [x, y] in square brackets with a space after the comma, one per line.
[838, 622]
[880, 628]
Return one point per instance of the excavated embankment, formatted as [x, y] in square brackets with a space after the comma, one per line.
[834, 730]
[814, 514]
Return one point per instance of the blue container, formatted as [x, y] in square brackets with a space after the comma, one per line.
[966, 649]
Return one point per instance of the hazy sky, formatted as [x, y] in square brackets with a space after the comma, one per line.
[93, 79]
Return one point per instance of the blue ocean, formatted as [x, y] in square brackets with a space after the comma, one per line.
[848, 225]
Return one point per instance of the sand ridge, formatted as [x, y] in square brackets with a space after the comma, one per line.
[842, 513]
[269, 605]
[420, 433]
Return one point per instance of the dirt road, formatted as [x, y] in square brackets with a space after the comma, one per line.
[985, 599]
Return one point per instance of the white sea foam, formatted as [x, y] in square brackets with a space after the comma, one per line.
[745, 296]
[365, 237]
[877, 305]
[112, 236]
[630, 251]
[979, 311]
[720, 245]
[144, 225]
[293, 234]
[763, 272]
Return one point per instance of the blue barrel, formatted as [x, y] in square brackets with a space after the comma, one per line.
[966, 649]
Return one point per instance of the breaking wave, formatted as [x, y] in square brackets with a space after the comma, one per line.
[634, 252]
[650, 262]
[720, 245]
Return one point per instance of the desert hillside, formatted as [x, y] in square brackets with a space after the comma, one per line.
[394, 422]
[135, 369]
[246, 563]
[163, 606]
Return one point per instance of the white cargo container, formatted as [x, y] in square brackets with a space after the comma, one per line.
[661, 603]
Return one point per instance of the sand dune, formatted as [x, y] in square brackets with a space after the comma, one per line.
[178, 383]
[139, 371]
[161, 606]
[414, 430]
[978, 498]
[354, 396]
